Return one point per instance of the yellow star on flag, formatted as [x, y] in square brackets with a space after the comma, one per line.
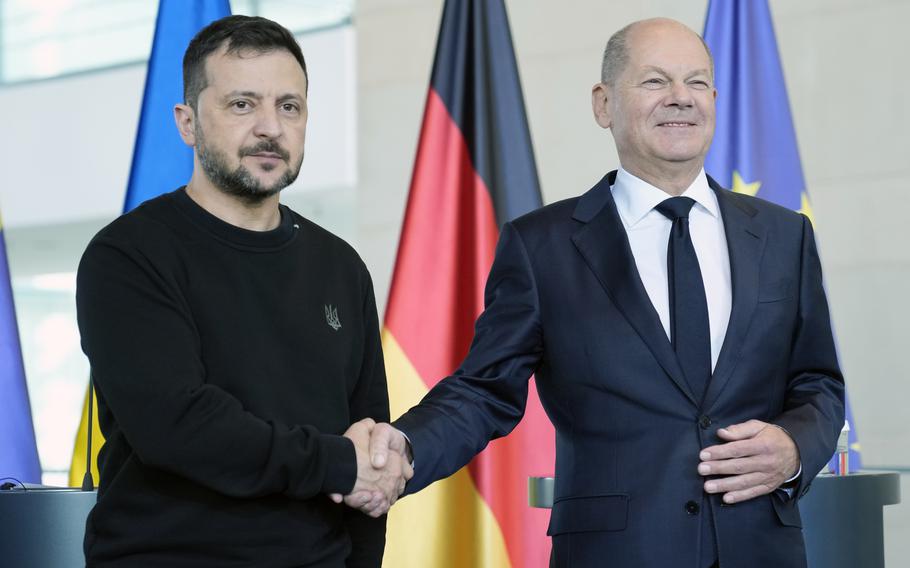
[740, 185]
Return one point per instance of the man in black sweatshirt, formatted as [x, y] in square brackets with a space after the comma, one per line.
[233, 343]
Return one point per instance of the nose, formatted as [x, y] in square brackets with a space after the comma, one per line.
[679, 95]
[267, 125]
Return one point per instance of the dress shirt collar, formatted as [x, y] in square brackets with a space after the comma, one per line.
[635, 197]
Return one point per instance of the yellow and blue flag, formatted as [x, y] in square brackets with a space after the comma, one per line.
[754, 149]
[18, 451]
[161, 161]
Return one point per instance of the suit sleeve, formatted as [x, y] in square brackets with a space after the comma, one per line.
[369, 400]
[485, 398]
[145, 356]
[814, 405]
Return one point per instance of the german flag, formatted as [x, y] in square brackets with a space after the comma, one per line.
[474, 171]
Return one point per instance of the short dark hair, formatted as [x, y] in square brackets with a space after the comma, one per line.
[240, 33]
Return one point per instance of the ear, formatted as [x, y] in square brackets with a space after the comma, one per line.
[600, 103]
[186, 123]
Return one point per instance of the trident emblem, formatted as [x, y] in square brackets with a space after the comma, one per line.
[331, 317]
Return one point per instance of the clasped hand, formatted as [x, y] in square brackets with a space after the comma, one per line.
[757, 458]
[382, 475]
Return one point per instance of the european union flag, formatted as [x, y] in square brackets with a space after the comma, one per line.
[754, 149]
[161, 161]
[18, 451]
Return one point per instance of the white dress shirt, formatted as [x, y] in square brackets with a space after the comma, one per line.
[649, 233]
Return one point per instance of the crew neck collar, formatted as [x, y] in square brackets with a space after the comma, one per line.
[243, 238]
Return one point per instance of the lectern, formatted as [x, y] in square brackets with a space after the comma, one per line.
[42, 527]
[842, 516]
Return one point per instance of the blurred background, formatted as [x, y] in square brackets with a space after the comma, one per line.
[71, 82]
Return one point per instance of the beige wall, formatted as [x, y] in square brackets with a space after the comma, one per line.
[846, 73]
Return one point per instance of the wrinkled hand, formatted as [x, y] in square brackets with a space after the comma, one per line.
[385, 441]
[757, 457]
[388, 449]
[377, 487]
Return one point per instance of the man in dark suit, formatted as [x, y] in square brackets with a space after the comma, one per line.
[679, 334]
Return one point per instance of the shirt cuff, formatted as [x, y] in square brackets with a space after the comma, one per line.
[795, 476]
[411, 451]
[789, 486]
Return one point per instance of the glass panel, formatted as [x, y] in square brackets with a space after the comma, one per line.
[57, 370]
[55, 37]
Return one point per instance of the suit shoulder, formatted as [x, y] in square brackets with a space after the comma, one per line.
[548, 216]
[766, 210]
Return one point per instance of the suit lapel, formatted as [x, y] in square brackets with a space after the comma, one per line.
[745, 243]
[604, 245]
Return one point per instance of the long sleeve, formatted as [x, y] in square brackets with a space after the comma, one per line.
[138, 332]
[814, 405]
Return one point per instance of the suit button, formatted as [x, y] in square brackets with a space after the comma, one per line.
[692, 507]
[704, 421]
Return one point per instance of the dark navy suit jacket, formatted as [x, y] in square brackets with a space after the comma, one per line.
[564, 301]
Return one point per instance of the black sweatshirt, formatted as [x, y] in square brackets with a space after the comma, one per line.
[228, 363]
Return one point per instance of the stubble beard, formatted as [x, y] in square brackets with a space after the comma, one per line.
[239, 182]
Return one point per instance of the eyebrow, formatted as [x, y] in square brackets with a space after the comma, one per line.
[665, 73]
[247, 94]
[258, 96]
[290, 97]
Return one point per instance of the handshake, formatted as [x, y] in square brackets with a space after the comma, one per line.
[383, 467]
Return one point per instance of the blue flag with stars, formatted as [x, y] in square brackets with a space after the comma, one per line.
[754, 149]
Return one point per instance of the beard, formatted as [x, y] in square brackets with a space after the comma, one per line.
[239, 182]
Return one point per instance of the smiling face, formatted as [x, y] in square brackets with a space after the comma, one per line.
[660, 106]
[250, 123]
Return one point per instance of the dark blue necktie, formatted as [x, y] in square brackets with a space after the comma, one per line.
[689, 329]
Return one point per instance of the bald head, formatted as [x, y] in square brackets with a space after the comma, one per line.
[616, 54]
[657, 97]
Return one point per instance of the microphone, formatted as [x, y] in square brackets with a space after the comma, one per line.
[88, 484]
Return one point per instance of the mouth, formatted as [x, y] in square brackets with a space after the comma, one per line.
[676, 124]
[267, 155]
